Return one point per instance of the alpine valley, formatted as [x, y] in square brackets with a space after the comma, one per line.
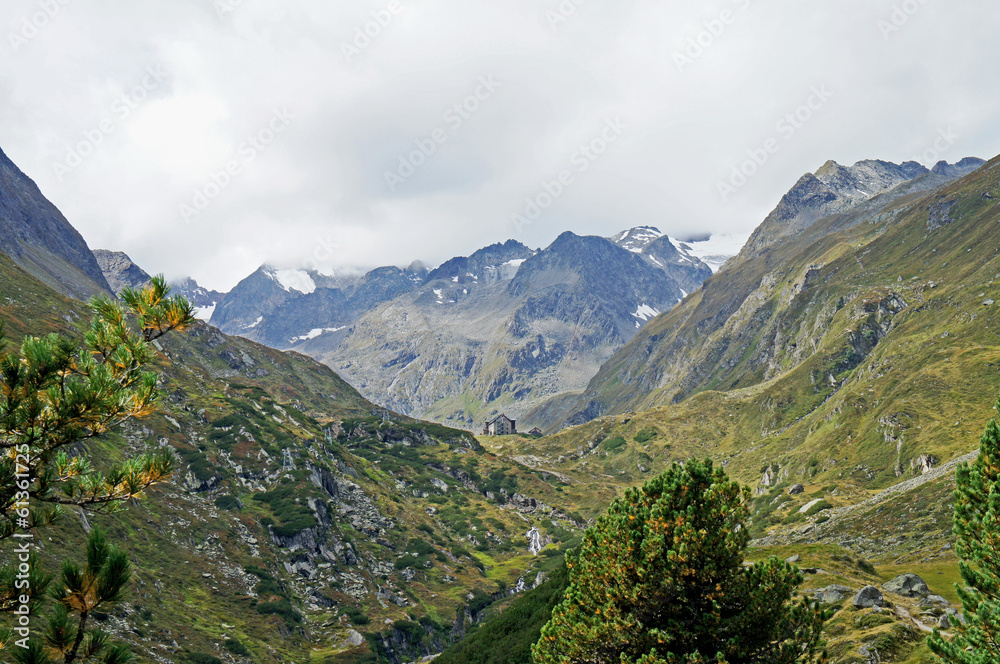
[333, 502]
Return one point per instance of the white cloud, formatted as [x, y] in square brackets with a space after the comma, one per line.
[321, 182]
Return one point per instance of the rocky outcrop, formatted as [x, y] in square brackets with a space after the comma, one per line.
[120, 271]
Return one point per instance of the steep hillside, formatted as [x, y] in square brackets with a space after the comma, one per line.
[789, 306]
[39, 239]
[466, 345]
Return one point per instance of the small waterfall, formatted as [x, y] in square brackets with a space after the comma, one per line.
[535, 543]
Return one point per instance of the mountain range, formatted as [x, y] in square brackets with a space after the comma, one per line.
[502, 329]
[839, 366]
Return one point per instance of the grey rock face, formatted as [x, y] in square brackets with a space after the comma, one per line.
[834, 188]
[796, 489]
[907, 585]
[36, 236]
[868, 597]
[120, 271]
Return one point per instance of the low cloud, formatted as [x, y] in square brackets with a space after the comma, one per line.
[397, 87]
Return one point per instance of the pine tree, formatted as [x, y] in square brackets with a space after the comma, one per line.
[659, 579]
[55, 395]
[977, 529]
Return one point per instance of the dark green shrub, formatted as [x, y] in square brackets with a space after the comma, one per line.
[281, 608]
[201, 658]
[236, 647]
[356, 616]
[646, 435]
[227, 502]
[613, 444]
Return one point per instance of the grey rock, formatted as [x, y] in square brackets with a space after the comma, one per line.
[868, 597]
[832, 593]
[795, 489]
[793, 559]
[943, 622]
[907, 585]
[120, 271]
[924, 463]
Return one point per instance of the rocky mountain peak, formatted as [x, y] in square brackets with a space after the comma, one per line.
[636, 239]
[958, 169]
[36, 236]
[497, 262]
[834, 189]
[120, 271]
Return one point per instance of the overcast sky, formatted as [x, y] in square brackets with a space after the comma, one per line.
[206, 137]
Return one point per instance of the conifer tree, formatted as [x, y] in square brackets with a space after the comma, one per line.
[977, 530]
[57, 393]
[659, 579]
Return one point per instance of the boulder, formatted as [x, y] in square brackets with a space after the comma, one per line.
[793, 559]
[831, 594]
[868, 597]
[943, 622]
[795, 489]
[931, 600]
[907, 585]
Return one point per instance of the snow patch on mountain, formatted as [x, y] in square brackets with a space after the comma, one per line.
[637, 239]
[205, 313]
[294, 280]
[315, 332]
[645, 312]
